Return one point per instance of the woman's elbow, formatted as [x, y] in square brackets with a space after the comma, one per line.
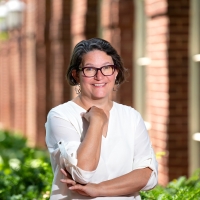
[150, 182]
[81, 176]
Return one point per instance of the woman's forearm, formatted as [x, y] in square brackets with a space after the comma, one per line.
[88, 153]
[126, 184]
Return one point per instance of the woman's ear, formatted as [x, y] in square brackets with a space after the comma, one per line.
[75, 75]
[116, 73]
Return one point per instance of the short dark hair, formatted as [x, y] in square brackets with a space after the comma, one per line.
[86, 46]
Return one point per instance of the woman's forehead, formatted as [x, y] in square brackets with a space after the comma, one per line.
[96, 57]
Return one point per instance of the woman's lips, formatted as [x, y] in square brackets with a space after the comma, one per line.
[99, 84]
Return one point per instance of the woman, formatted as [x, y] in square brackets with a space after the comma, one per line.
[103, 145]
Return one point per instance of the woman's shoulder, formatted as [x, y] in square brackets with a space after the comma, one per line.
[68, 111]
[65, 109]
[125, 110]
[62, 106]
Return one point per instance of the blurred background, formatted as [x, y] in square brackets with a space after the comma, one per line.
[159, 41]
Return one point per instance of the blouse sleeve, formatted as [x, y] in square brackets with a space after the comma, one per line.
[63, 141]
[144, 155]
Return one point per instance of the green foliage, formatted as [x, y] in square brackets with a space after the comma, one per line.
[25, 173]
[178, 189]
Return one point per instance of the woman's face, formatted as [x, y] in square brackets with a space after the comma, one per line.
[99, 86]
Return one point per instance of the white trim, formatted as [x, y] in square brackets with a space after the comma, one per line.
[144, 61]
[140, 59]
[196, 58]
[148, 125]
[194, 86]
[196, 137]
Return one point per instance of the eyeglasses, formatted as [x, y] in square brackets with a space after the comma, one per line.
[107, 70]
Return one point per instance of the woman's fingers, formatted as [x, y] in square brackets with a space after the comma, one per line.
[64, 172]
[68, 180]
[86, 190]
[95, 113]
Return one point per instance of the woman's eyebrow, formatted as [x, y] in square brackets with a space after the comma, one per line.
[89, 64]
[92, 65]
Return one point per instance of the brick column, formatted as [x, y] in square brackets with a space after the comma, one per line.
[78, 21]
[42, 20]
[66, 41]
[126, 24]
[158, 81]
[56, 54]
[178, 12]
[5, 87]
[29, 58]
[91, 26]
[17, 70]
[167, 38]
[78, 25]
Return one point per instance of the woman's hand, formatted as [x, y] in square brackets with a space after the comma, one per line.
[95, 113]
[68, 180]
[90, 189]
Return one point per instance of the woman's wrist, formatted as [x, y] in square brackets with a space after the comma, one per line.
[97, 120]
[101, 190]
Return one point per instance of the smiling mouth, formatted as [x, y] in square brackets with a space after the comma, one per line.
[99, 84]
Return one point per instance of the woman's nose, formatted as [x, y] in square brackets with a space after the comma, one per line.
[99, 75]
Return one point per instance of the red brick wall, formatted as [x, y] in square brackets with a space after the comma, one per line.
[12, 83]
[33, 63]
[53, 45]
[37, 57]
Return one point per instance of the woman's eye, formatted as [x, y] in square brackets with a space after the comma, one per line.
[89, 69]
[107, 67]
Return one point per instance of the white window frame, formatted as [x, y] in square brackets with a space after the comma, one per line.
[140, 60]
[194, 87]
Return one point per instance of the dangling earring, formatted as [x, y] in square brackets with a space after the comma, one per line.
[117, 85]
[78, 88]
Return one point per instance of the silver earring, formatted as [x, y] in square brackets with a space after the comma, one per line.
[78, 88]
[116, 87]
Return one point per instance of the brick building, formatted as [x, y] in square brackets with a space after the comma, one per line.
[159, 41]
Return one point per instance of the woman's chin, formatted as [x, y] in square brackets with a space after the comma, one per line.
[99, 96]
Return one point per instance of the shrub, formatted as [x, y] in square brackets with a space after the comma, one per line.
[178, 189]
[25, 173]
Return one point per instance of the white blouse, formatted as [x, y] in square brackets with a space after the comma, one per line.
[125, 148]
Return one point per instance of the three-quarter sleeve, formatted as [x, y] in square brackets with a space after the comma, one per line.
[144, 155]
[63, 142]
